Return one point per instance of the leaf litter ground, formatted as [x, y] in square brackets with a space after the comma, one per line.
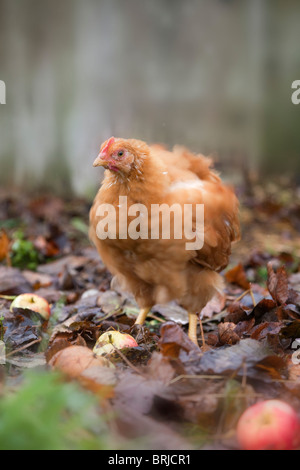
[164, 394]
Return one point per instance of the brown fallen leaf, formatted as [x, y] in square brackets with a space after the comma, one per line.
[201, 407]
[262, 330]
[294, 281]
[281, 313]
[212, 339]
[294, 297]
[294, 371]
[21, 327]
[243, 327]
[234, 359]
[159, 367]
[55, 268]
[4, 246]
[46, 247]
[47, 207]
[292, 311]
[62, 340]
[277, 284]
[110, 302]
[137, 392]
[215, 305]
[238, 276]
[236, 313]
[173, 339]
[37, 280]
[12, 282]
[99, 380]
[152, 433]
[264, 306]
[293, 368]
[292, 330]
[273, 365]
[227, 334]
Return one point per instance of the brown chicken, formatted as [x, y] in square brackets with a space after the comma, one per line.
[157, 269]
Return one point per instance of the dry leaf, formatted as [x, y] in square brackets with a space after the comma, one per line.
[238, 276]
[227, 334]
[173, 339]
[261, 331]
[4, 245]
[215, 305]
[278, 284]
[264, 306]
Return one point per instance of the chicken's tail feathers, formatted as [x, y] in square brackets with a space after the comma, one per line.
[197, 163]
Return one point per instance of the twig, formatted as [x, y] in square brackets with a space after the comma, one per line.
[127, 361]
[244, 379]
[8, 297]
[111, 314]
[218, 316]
[24, 347]
[8, 260]
[242, 295]
[154, 317]
[237, 395]
[252, 297]
[181, 377]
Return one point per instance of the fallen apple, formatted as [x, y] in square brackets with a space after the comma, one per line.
[109, 341]
[269, 425]
[33, 302]
[76, 359]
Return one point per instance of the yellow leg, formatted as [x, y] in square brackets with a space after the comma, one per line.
[142, 316]
[204, 346]
[193, 328]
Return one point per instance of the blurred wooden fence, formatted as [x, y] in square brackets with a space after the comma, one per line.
[215, 76]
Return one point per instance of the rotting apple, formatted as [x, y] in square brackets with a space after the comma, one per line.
[269, 425]
[33, 302]
[74, 360]
[111, 340]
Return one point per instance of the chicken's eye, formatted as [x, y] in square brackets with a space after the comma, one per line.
[120, 153]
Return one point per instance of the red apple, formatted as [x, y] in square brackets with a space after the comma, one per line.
[110, 340]
[270, 424]
[33, 302]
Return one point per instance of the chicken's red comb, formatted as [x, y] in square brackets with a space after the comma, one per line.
[108, 144]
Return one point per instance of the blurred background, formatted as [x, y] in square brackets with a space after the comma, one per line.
[212, 75]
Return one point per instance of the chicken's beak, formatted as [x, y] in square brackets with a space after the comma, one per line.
[100, 161]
